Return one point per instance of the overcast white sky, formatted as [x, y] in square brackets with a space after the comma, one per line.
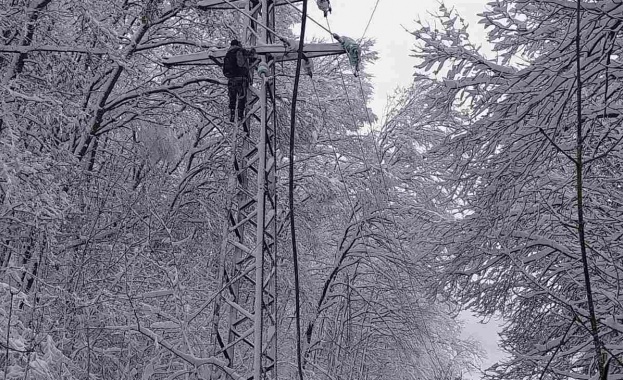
[395, 68]
[393, 43]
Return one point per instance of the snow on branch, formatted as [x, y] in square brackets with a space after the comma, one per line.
[48, 48]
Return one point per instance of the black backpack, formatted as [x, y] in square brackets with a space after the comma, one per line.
[234, 64]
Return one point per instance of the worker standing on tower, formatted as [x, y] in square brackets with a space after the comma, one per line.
[236, 69]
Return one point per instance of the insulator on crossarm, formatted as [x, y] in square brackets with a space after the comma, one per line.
[263, 69]
[324, 6]
[308, 66]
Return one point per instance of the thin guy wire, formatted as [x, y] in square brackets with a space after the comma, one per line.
[369, 20]
[384, 182]
[308, 16]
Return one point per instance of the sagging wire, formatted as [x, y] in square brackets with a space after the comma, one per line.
[299, 58]
[383, 178]
[350, 106]
[355, 216]
[369, 119]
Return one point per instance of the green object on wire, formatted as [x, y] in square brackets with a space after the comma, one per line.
[353, 50]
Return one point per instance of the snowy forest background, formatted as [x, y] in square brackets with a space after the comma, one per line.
[113, 172]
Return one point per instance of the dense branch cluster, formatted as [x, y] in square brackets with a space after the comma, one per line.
[113, 178]
[507, 168]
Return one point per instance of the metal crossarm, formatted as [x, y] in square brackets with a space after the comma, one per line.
[240, 4]
[279, 53]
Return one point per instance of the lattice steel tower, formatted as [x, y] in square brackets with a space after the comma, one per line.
[244, 319]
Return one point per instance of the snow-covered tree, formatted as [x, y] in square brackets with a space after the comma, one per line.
[113, 172]
[509, 169]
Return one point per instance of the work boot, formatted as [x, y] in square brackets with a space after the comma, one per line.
[232, 114]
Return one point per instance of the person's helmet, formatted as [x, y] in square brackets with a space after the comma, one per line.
[234, 42]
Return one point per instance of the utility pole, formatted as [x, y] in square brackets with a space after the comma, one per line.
[244, 320]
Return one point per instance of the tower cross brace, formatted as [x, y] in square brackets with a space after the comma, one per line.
[244, 320]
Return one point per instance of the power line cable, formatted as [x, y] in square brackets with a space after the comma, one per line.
[332, 141]
[308, 16]
[291, 192]
[350, 107]
[363, 96]
[293, 114]
[337, 159]
[369, 20]
[361, 147]
[376, 150]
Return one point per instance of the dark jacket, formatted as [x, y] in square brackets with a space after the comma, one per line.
[236, 63]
